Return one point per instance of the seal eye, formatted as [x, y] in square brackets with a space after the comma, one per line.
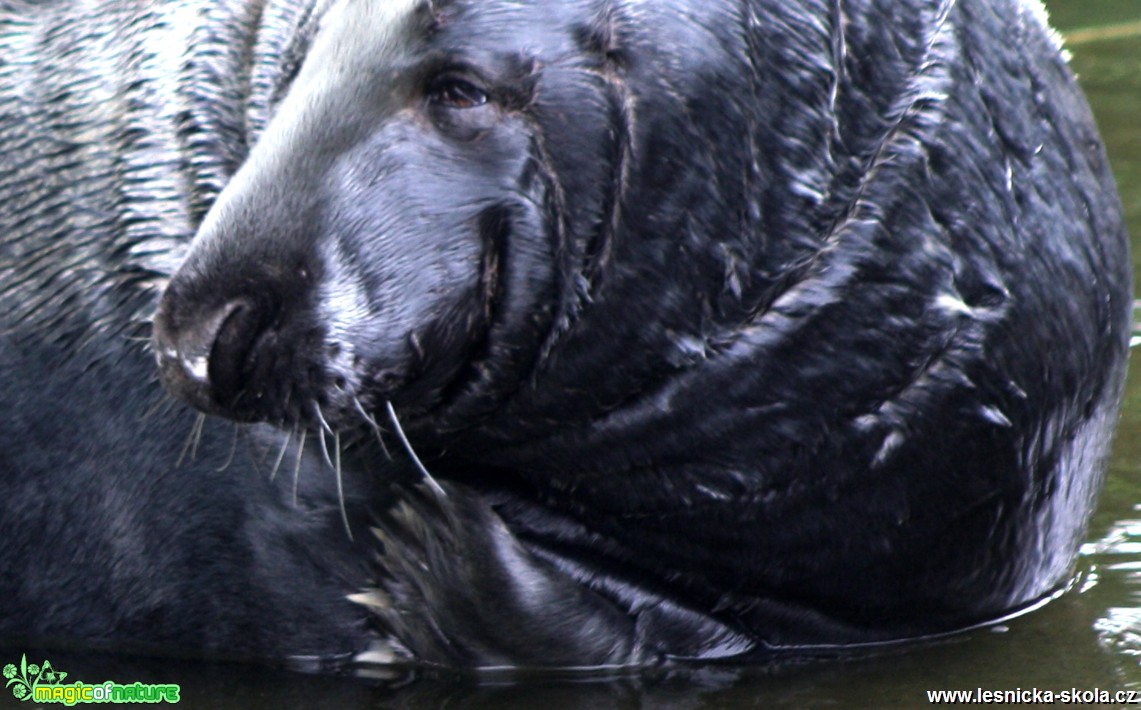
[456, 93]
[460, 109]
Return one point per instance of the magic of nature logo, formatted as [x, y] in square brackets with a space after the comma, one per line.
[43, 683]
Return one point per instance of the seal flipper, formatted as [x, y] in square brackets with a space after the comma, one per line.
[456, 587]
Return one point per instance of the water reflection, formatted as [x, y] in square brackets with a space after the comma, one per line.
[1118, 553]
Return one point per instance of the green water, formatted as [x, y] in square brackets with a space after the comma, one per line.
[1089, 638]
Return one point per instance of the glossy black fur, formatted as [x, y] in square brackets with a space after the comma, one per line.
[727, 328]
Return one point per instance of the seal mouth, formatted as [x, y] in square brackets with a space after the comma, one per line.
[472, 373]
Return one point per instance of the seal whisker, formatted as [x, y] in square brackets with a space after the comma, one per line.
[439, 491]
[233, 449]
[374, 426]
[192, 440]
[321, 434]
[199, 427]
[297, 464]
[341, 483]
[281, 454]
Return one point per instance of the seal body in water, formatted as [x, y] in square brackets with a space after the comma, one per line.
[724, 330]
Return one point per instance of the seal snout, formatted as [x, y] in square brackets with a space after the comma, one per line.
[202, 358]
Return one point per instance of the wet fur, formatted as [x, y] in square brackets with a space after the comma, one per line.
[727, 330]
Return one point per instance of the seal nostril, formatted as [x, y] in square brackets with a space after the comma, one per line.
[237, 331]
[201, 355]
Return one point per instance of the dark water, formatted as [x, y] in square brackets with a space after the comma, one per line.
[1088, 639]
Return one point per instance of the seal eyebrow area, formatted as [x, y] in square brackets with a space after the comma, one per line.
[507, 79]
